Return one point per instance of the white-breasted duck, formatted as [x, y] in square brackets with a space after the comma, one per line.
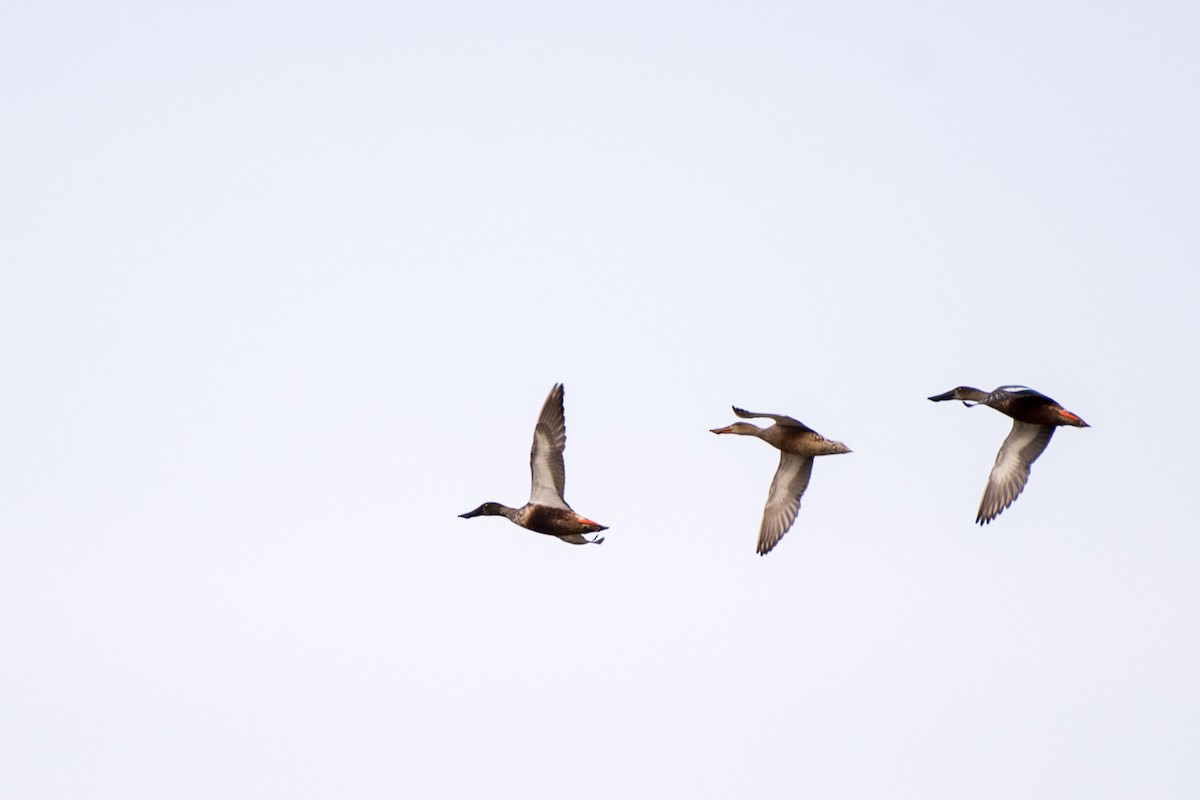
[798, 445]
[1035, 416]
[547, 512]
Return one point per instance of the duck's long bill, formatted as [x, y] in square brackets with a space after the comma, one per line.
[726, 429]
[937, 398]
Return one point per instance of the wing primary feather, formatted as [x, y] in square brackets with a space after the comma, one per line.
[783, 500]
[548, 472]
[780, 419]
[1010, 474]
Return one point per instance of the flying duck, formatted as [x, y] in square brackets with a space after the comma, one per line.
[798, 444]
[1035, 416]
[547, 512]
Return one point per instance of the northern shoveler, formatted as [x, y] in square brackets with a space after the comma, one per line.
[798, 444]
[547, 512]
[1035, 416]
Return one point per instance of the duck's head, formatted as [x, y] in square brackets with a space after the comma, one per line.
[485, 510]
[967, 394]
[743, 428]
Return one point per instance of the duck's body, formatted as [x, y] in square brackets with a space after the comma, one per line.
[547, 512]
[561, 522]
[798, 445]
[1035, 416]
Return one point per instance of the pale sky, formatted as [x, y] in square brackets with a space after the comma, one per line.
[283, 289]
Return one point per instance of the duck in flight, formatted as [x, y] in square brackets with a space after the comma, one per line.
[547, 512]
[798, 445]
[1035, 416]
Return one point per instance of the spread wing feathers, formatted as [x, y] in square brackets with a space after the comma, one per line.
[1011, 472]
[779, 418]
[546, 457]
[783, 503]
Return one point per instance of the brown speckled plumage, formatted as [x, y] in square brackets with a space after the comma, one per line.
[798, 445]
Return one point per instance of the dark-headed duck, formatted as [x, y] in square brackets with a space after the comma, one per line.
[1035, 416]
[547, 512]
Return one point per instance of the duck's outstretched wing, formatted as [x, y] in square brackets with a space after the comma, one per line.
[546, 457]
[783, 502]
[1011, 472]
[779, 418]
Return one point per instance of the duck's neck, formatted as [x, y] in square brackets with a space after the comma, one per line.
[501, 510]
[775, 435]
[493, 510]
[968, 394]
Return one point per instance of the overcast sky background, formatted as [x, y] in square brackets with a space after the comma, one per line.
[284, 287]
